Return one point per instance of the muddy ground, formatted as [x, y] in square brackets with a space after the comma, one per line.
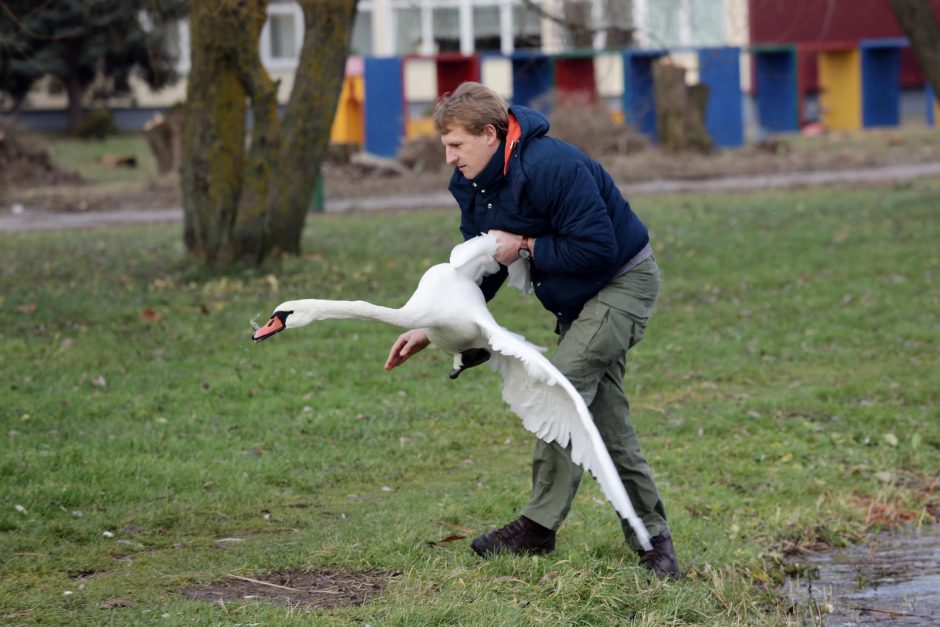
[320, 589]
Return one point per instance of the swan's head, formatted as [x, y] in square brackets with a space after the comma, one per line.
[287, 315]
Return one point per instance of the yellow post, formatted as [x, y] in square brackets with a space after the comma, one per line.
[840, 89]
[348, 123]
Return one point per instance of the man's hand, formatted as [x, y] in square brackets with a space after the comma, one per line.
[407, 344]
[509, 245]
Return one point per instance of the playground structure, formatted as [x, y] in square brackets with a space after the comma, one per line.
[387, 100]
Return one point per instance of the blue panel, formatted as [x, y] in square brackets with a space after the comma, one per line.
[639, 102]
[384, 105]
[720, 69]
[777, 97]
[931, 108]
[532, 81]
[881, 84]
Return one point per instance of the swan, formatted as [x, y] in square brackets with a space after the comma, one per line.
[450, 306]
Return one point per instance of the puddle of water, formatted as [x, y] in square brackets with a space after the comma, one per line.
[893, 579]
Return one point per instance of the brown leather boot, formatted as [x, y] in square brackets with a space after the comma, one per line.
[661, 560]
[518, 537]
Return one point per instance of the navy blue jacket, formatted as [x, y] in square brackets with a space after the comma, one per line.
[583, 227]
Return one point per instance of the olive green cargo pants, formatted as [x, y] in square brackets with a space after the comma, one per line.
[592, 353]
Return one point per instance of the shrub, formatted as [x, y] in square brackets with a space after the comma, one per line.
[98, 124]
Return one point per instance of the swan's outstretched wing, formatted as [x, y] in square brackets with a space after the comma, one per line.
[553, 410]
[474, 258]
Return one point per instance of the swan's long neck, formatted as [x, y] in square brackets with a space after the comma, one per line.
[356, 309]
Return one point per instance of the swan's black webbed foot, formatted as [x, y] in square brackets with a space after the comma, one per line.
[468, 359]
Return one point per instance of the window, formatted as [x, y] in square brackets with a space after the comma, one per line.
[281, 31]
[282, 36]
[362, 34]
[527, 28]
[447, 30]
[486, 29]
[407, 31]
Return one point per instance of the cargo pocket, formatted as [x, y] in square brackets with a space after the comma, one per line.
[632, 296]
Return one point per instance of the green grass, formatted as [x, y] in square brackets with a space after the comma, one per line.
[86, 157]
[786, 394]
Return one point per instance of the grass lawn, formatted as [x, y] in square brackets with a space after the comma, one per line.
[89, 157]
[786, 393]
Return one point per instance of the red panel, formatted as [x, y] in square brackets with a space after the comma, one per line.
[574, 79]
[452, 70]
[820, 21]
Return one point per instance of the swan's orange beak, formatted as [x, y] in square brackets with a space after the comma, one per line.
[275, 325]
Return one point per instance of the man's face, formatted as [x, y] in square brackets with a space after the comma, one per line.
[470, 153]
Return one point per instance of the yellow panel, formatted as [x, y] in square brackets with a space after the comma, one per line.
[936, 114]
[419, 127]
[840, 89]
[347, 124]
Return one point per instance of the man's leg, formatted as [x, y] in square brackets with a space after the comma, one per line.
[611, 411]
[555, 478]
[592, 355]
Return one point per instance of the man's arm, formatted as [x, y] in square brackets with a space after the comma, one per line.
[582, 238]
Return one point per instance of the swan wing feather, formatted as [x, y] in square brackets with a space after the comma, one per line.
[520, 276]
[552, 409]
[474, 258]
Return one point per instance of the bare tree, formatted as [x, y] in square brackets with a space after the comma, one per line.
[246, 193]
[917, 20]
[574, 17]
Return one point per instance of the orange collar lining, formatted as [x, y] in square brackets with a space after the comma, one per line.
[512, 140]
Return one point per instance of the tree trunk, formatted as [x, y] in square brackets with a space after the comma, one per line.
[243, 204]
[919, 23]
[73, 91]
[308, 119]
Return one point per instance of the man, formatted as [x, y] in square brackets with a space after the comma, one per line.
[591, 265]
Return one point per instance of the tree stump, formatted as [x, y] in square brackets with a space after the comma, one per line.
[680, 110]
[164, 134]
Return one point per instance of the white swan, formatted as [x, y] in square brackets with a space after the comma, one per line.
[450, 306]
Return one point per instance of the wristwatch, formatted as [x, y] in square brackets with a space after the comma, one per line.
[524, 252]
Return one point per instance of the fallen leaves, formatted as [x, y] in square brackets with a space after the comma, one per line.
[150, 315]
[110, 604]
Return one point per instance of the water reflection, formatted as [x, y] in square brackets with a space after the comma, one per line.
[893, 579]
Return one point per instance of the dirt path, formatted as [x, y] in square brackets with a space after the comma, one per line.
[38, 221]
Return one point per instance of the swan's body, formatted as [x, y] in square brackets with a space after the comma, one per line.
[449, 305]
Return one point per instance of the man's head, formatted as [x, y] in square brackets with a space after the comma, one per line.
[472, 122]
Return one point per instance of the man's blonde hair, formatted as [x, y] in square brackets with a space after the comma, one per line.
[471, 106]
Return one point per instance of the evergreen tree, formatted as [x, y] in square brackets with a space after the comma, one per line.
[78, 41]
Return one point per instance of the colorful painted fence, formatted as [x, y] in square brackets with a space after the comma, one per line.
[386, 100]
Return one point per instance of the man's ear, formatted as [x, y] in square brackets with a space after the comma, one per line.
[492, 137]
